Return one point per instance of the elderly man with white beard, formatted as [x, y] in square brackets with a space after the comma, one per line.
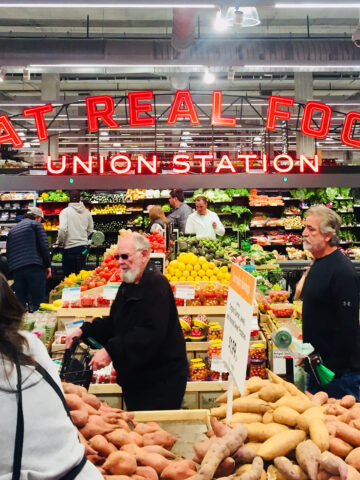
[331, 305]
[142, 335]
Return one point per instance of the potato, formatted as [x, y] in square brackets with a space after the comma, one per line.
[296, 403]
[120, 463]
[339, 447]
[223, 397]
[253, 405]
[272, 392]
[348, 401]
[91, 399]
[101, 445]
[304, 418]
[320, 398]
[319, 433]
[219, 412]
[79, 417]
[254, 384]
[286, 416]
[353, 474]
[244, 417]
[245, 468]
[348, 434]
[353, 458]
[253, 446]
[259, 432]
[287, 468]
[178, 470]
[160, 437]
[268, 417]
[308, 456]
[281, 444]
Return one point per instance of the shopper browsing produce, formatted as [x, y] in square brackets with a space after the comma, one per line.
[40, 439]
[75, 227]
[142, 335]
[157, 220]
[204, 222]
[28, 258]
[331, 305]
[181, 210]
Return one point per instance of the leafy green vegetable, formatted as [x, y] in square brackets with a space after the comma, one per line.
[345, 192]
[332, 193]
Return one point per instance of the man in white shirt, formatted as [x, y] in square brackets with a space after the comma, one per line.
[203, 222]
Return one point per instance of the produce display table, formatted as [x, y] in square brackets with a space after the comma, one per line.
[115, 389]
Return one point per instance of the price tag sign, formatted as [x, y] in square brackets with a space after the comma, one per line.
[71, 293]
[157, 260]
[110, 291]
[238, 324]
[218, 365]
[187, 292]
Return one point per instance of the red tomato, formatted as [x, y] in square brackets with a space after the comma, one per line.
[83, 288]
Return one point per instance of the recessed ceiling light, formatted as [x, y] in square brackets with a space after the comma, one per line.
[104, 133]
[117, 144]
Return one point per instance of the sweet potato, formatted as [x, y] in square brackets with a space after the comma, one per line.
[74, 402]
[245, 417]
[219, 428]
[253, 446]
[244, 455]
[254, 473]
[131, 448]
[136, 438]
[354, 412]
[161, 450]
[96, 459]
[281, 444]
[117, 477]
[285, 466]
[226, 467]
[219, 412]
[286, 416]
[331, 400]
[142, 428]
[272, 392]
[319, 433]
[88, 450]
[147, 472]
[268, 417]
[254, 384]
[348, 401]
[91, 399]
[252, 405]
[120, 463]
[348, 434]
[353, 474]
[220, 449]
[259, 432]
[305, 417]
[308, 456]
[101, 445]
[154, 460]
[331, 428]
[245, 468]
[296, 403]
[101, 470]
[159, 437]
[79, 417]
[119, 437]
[178, 470]
[353, 458]
[355, 423]
[100, 422]
[71, 388]
[223, 397]
[320, 398]
[335, 409]
[91, 429]
[334, 465]
[339, 447]
[200, 448]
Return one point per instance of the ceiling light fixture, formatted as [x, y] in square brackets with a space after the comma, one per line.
[117, 144]
[221, 24]
[316, 5]
[246, 17]
[209, 77]
[2, 74]
[26, 74]
[104, 133]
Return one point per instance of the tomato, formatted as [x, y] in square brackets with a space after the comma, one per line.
[99, 283]
[83, 288]
[92, 285]
[98, 269]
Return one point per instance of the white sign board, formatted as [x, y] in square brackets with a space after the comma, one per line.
[110, 291]
[238, 324]
[71, 293]
[187, 292]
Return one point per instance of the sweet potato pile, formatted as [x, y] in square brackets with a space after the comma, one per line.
[120, 448]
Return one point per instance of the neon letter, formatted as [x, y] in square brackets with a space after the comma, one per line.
[313, 165]
[216, 118]
[53, 170]
[264, 162]
[324, 127]
[247, 157]
[120, 171]
[183, 96]
[346, 132]
[274, 113]
[78, 162]
[104, 114]
[280, 169]
[203, 159]
[226, 164]
[10, 134]
[38, 113]
[151, 167]
[101, 164]
[135, 108]
[180, 163]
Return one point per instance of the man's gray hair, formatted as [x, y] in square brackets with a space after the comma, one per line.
[330, 223]
[140, 242]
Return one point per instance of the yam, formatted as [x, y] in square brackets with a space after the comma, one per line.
[254, 384]
[131, 448]
[348, 401]
[88, 449]
[254, 473]
[244, 455]
[259, 432]
[159, 437]
[308, 456]
[319, 433]
[296, 403]
[223, 397]
[91, 399]
[219, 412]
[119, 437]
[161, 450]
[305, 417]
[272, 392]
[244, 469]
[252, 405]
[281, 444]
[200, 448]
[71, 388]
[136, 438]
[79, 417]
[353, 474]
[286, 416]
[355, 423]
[253, 446]
[339, 447]
[348, 434]
[74, 402]
[96, 459]
[147, 472]
[226, 467]
[285, 466]
[154, 460]
[353, 458]
[101, 445]
[178, 470]
[320, 398]
[244, 417]
[142, 428]
[120, 463]
[334, 465]
[331, 428]
[219, 428]
[91, 429]
[268, 417]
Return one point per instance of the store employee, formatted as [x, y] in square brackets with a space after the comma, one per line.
[204, 223]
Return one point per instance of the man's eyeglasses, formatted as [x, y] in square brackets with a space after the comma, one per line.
[124, 256]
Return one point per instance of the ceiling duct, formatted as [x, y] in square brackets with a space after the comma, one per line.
[184, 25]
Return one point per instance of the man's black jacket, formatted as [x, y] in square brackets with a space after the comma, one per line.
[142, 333]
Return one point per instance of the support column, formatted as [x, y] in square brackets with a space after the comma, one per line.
[50, 92]
[304, 93]
[83, 150]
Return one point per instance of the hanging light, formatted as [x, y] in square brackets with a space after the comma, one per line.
[221, 23]
[246, 17]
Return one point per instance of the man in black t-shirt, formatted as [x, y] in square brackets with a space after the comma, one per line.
[331, 305]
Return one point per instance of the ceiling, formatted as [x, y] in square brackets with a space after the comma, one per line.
[90, 51]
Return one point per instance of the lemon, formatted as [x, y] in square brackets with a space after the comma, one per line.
[181, 266]
[225, 282]
[182, 279]
[197, 267]
[215, 271]
[220, 276]
[186, 273]
[224, 269]
[213, 278]
[168, 276]
[182, 257]
[227, 276]
[212, 265]
[171, 270]
[193, 274]
[174, 279]
[193, 259]
[198, 279]
[189, 267]
[201, 260]
[173, 263]
[201, 273]
[209, 272]
[205, 279]
[178, 273]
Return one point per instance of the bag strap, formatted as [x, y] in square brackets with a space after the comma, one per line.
[19, 436]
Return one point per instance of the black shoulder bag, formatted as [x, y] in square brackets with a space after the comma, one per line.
[19, 437]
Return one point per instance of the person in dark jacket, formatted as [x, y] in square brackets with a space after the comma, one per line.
[28, 257]
[142, 335]
[157, 220]
[181, 210]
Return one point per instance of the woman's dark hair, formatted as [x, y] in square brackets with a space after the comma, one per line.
[177, 193]
[11, 316]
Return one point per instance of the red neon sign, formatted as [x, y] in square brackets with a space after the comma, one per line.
[38, 113]
[216, 118]
[324, 127]
[189, 111]
[135, 109]
[105, 114]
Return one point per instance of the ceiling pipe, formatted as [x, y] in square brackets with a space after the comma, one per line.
[184, 26]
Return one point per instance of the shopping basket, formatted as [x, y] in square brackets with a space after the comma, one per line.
[75, 364]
